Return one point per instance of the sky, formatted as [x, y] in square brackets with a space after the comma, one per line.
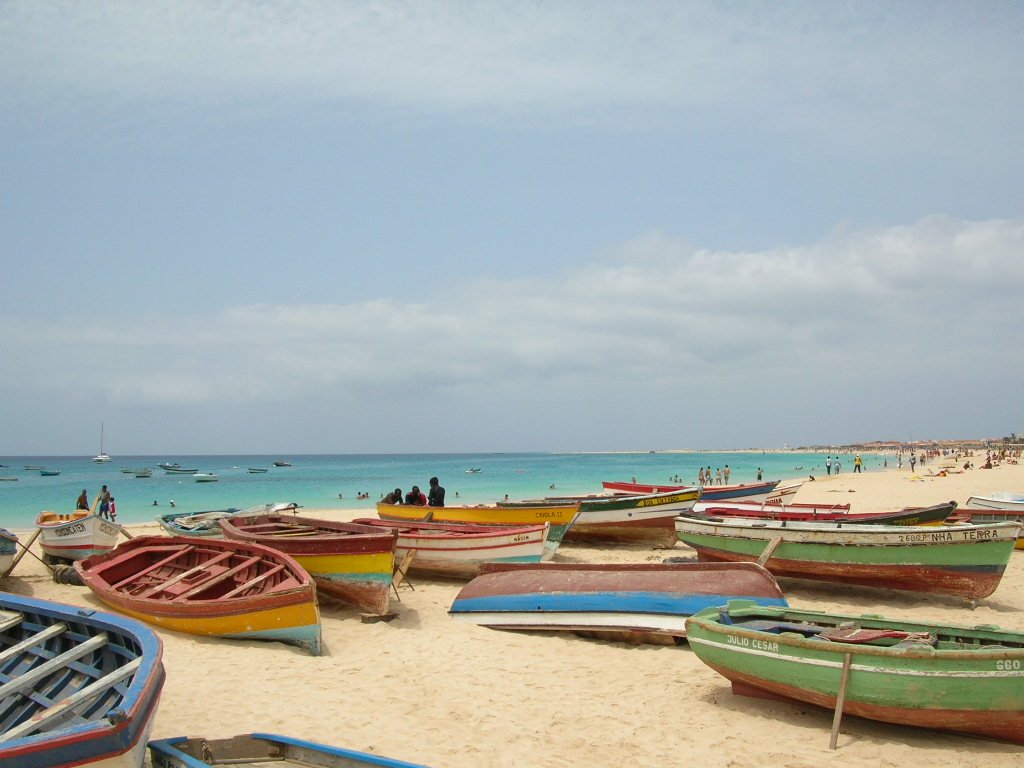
[393, 227]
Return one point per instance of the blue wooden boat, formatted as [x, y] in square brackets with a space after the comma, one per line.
[78, 687]
[260, 749]
[638, 603]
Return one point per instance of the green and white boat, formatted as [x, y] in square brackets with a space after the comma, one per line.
[944, 677]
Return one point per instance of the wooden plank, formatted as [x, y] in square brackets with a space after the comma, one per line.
[220, 577]
[9, 619]
[769, 551]
[37, 639]
[157, 589]
[253, 582]
[34, 675]
[840, 700]
[177, 552]
[62, 707]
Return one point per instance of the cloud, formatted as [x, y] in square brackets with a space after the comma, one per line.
[653, 310]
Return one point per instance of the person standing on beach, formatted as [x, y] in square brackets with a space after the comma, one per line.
[700, 476]
[913, 461]
[856, 463]
[83, 500]
[104, 502]
[726, 474]
[759, 473]
[112, 509]
[828, 465]
[436, 496]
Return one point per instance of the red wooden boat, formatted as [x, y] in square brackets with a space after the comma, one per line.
[207, 586]
[351, 562]
[745, 491]
[809, 513]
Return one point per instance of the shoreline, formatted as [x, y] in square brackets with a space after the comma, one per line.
[427, 689]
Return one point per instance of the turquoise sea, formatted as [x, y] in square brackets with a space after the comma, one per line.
[335, 481]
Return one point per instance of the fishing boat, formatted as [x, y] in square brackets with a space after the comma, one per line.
[976, 516]
[8, 550]
[32, 467]
[8, 479]
[934, 515]
[473, 470]
[208, 587]
[143, 473]
[79, 687]
[49, 472]
[558, 516]
[260, 749]
[1013, 502]
[205, 477]
[257, 470]
[961, 560]
[459, 550]
[746, 491]
[353, 563]
[282, 464]
[71, 536]
[207, 523]
[101, 457]
[640, 603]
[177, 469]
[944, 677]
[623, 518]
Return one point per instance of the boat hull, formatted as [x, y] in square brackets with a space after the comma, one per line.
[1006, 502]
[8, 550]
[85, 739]
[638, 603]
[647, 519]
[558, 516]
[934, 515]
[353, 563]
[977, 516]
[458, 551]
[745, 491]
[208, 587]
[974, 689]
[960, 560]
[260, 749]
[76, 535]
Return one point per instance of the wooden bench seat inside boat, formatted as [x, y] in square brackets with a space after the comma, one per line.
[62, 517]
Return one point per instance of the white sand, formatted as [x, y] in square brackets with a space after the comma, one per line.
[430, 690]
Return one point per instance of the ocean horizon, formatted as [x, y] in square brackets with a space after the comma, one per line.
[337, 481]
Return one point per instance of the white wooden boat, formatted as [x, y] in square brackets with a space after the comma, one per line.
[72, 536]
[998, 500]
[205, 477]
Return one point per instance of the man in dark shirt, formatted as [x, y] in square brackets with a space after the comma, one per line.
[436, 496]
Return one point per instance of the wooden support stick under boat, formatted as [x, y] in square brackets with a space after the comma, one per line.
[840, 700]
[24, 549]
[769, 551]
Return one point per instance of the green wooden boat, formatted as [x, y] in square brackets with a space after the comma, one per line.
[962, 560]
[945, 677]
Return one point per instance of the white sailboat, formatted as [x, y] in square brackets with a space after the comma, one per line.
[101, 457]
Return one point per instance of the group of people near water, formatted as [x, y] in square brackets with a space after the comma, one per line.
[416, 497]
[108, 509]
[719, 478]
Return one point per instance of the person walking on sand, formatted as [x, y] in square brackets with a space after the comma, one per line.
[83, 500]
[913, 461]
[436, 495]
[104, 502]
[828, 465]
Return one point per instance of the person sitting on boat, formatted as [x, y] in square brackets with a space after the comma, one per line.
[395, 497]
[83, 501]
[436, 497]
[416, 497]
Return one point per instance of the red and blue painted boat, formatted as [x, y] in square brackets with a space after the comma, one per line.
[78, 687]
[639, 603]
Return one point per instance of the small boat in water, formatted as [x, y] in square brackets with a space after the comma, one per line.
[143, 473]
[208, 587]
[261, 749]
[457, 550]
[79, 687]
[71, 536]
[177, 469]
[282, 464]
[938, 676]
[640, 603]
[351, 562]
[257, 470]
[49, 472]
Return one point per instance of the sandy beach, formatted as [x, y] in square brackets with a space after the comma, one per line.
[429, 690]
